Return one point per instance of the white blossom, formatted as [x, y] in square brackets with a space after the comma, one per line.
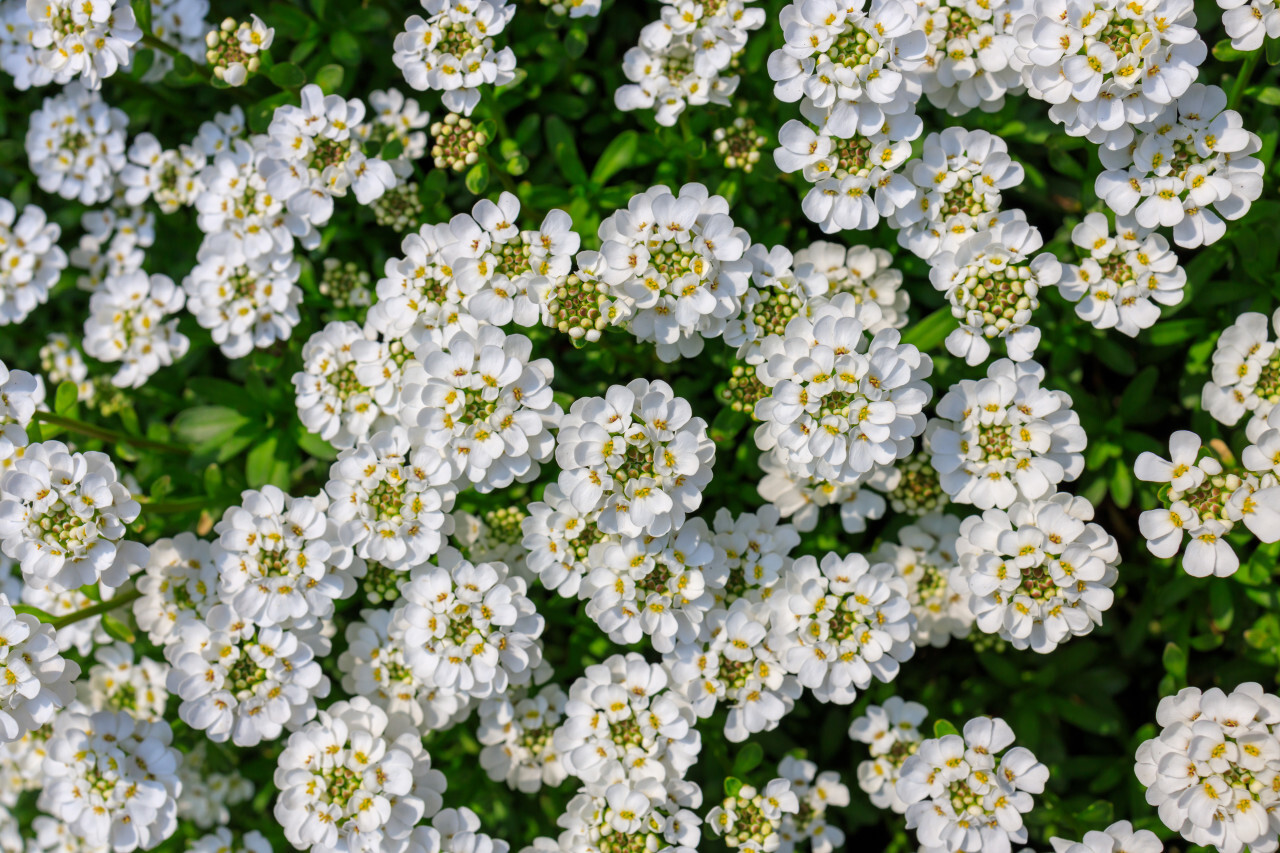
[865, 272]
[85, 41]
[332, 400]
[131, 321]
[891, 732]
[30, 260]
[35, 680]
[1119, 837]
[816, 793]
[516, 730]
[179, 586]
[925, 554]
[120, 681]
[452, 50]
[246, 302]
[751, 819]
[76, 142]
[1246, 370]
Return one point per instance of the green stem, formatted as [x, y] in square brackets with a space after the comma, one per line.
[34, 611]
[1242, 79]
[151, 41]
[173, 507]
[97, 609]
[103, 434]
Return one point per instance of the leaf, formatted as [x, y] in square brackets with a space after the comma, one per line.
[565, 151]
[1269, 95]
[286, 75]
[732, 786]
[517, 165]
[345, 48]
[1221, 606]
[1175, 331]
[260, 463]
[1097, 814]
[478, 178]
[575, 43]
[1133, 402]
[1122, 484]
[1175, 661]
[1224, 52]
[117, 629]
[1273, 51]
[314, 445]
[68, 395]
[142, 12]
[748, 759]
[616, 156]
[932, 330]
[205, 426]
[369, 20]
[329, 78]
[942, 728]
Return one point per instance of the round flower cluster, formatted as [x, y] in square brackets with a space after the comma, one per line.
[131, 321]
[970, 793]
[1246, 370]
[35, 680]
[171, 177]
[234, 48]
[1204, 500]
[111, 779]
[739, 144]
[119, 681]
[355, 779]
[645, 814]
[801, 499]
[178, 588]
[89, 41]
[1122, 278]
[208, 795]
[1211, 771]
[780, 290]
[1191, 164]
[452, 50]
[76, 143]
[816, 792]
[840, 403]
[345, 284]
[926, 555]
[681, 56]
[752, 819]
[63, 517]
[1039, 573]
[972, 60]
[849, 621]
[865, 272]
[1005, 438]
[516, 732]
[638, 455]
[892, 735]
[756, 549]
[30, 260]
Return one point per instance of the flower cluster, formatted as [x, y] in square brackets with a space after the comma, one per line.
[452, 50]
[816, 792]
[35, 680]
[752, 819]
[891, 732]
[30, 260]
[1246, 370]
[88, 41]
[926, 555]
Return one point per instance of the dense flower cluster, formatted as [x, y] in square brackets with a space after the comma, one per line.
[892, 735]
[452, 50]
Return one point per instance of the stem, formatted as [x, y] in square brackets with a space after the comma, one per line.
[1242, 79]
[169, 50]
[98, 609]
[172, 507]
[34, 611]
[104, 434]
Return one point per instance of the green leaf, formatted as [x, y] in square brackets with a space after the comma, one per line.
[478, 178]
[314, 445]
[1097, 814]
[942, 728]
[68, 395]
[286, 75]
[260, 463]
[1134, 401]
[616, 156]
[117, 629]
[369, 20]
[575, 43]
[1268, 95]
[732, 786]
[329, 78]
[142, 12]
[1273, 51]
[565, 151]
[1174, 660]
[1221, 605]
[206, 426]
[1175, 331]
[1224, 52]
[1122, 484]
[748, 759]
[932, 330]
[517, 165]
[345, 48]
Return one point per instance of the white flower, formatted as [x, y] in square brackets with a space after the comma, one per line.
[777, 293]
[279, 559]
[751, 819]
[679, 260]
[454, 831]
[50, 835]
[816, 793]
[559, 533]
[468, 628]
[1250, 22]
[236, 200]
[1119, 837]
[112, 244]
[63, 517]
[182, 24]
[957, 181]
[30, 260]
[313, 156]
[756, 550]
[1104, 65]
[89, 41]
[841, 403]
[332, 401]
[18, 56]
[1207, 771]
[112, 779]
[638, 454]
[925, 554]
[418, 301]
[62, 361]
[971, 61]
[131, 321]
[179, 587]
[76, 143]
[865, 272]
[801, 498]
[993, 786]
[1205, 502]
[208, 796]
[1039, 573]
[1191, 164]
[1004, 437]
[648, 813]
[480, 399]
[452, 50]
[389, 499]
[856, 61]
[850, 622]
[892, 734]
[20, 395]
[374, 666]
[735, 661]
[1246, 370]
[120, 682]
[234, 48]
[1121, 280]
[355, 780]
[516, 732]
[1262, 456]
[171, 177]
[395, 118]
[222, 841]
[622, 723]
[35, 680]
[246, 302]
